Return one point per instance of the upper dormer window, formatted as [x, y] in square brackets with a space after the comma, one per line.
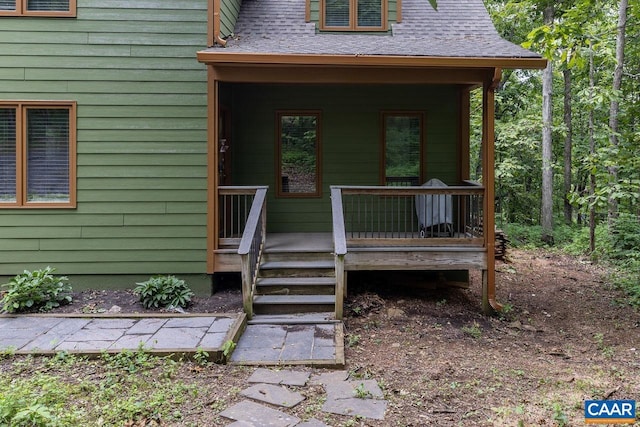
[354, 15]
[38, 8]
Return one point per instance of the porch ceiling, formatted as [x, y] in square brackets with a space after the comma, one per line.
[299, 73]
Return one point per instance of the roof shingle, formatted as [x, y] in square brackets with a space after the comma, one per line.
[459, 28]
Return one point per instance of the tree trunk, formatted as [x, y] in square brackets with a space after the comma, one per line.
[592, 152]
[547, 123]
[615, 106]
[568, 143]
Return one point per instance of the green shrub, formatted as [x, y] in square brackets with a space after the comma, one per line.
[625, 254]
[625, 238]
[580, 243]
[530, 236]
[163, 291]
[38, 289]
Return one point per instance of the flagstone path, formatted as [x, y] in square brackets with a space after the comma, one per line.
[344, 396]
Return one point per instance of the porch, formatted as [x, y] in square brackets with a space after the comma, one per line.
[373, 228]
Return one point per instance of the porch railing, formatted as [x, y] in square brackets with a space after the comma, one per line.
[410, 215]
[234, 204]
[245, 212]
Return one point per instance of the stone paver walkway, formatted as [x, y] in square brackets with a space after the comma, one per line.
[344, 396]
[314, 341]
[41, 334]
[308, 344]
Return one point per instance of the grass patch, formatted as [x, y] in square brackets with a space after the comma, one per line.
[66, 390]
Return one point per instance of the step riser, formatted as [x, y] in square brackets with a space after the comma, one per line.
[292, 309]
[296, 256]
[297, 273]
[296, 290]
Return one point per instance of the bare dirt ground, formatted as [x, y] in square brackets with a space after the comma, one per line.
[566, 336]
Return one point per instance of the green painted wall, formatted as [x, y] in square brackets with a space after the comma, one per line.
[351, 139]
[229, 10]
[141, 97]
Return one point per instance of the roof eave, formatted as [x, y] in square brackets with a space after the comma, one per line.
[222, 57]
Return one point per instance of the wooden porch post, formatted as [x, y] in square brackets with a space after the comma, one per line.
[489, 303]
[212, 168]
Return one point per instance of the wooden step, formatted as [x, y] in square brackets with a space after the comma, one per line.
[294, 281]
[285, 304]
[296, 285]
[318, 318]
[297, 256]
[295, 264]
[297, 269]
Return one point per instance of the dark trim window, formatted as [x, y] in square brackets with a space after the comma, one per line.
[37, 154]
[402, 162]
[298, 154]
[58, 8]
[353, 15]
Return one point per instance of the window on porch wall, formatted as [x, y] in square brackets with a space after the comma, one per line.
[298, 154]
[402, 150]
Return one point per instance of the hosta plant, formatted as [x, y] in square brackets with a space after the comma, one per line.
[163, 291]
[36, 290]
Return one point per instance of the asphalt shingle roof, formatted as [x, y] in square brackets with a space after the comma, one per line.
[460, 28]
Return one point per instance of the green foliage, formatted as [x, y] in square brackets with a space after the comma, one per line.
[473, 331]
[130, 388]
[298, 142]
[38, 289]
[528, 236]
[619, 247]
[625, 254]
[580, 243]
[402, 145]
[129, 361]
[227, 348]
[38, 401]
[353, 340]
[201, 357]
[559, 415]
[361, 392]
[163, 291]
[625, 238]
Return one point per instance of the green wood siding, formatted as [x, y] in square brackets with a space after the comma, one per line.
[229, 10]
[351, 139]
[141, 137]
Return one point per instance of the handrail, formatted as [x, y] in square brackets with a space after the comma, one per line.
[339, 234]
[252, 221]
[462, 190]
[340, 248]
[251, 246]
[239, 189]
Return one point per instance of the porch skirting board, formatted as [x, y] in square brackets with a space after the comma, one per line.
[440, 258]
[461, 257]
